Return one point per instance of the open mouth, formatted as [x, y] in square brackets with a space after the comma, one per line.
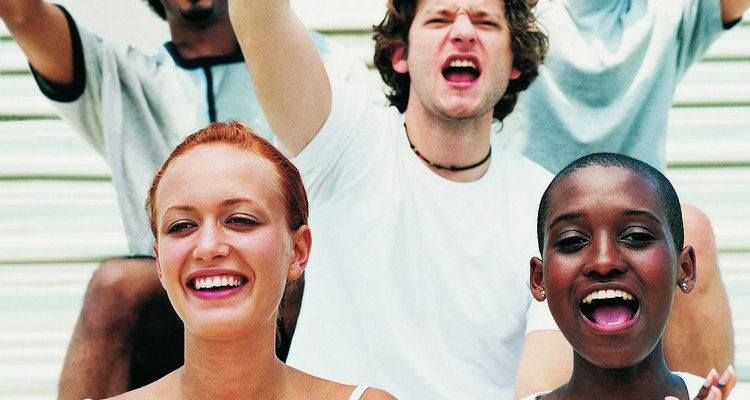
[610, 307]
[461, 71]
[216, 283]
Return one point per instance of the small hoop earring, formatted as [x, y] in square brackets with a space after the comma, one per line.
[684, 286]
[543, 294]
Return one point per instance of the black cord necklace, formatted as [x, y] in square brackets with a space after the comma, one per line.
[438, 166]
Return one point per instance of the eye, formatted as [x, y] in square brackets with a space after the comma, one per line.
[488, 23]
[180, 226]
[570, 242]
[437, 21]
[637, 238]
[242, 221]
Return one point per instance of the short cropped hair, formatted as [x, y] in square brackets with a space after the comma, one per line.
[528, 43]
[665, 192]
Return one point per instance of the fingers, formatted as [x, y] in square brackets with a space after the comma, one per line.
[718, 388]
[726, 382]
[706, 393]
[711, 380]
[714, 394]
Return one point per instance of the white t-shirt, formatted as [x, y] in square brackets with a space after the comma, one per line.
[692, 382]
[608, 78]
[416, 284]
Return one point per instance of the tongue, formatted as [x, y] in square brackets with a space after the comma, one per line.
[460, 76]
[611, 314]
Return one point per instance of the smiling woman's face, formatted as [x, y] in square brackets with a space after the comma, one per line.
[224, 248]
[609, 265]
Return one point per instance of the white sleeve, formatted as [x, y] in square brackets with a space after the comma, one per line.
[539, 318]
[700, 26]
[351, 141]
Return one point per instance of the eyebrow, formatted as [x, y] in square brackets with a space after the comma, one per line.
[446, 10]
[232, 201]
[627, 213]
[564, 217]
[641, 213]
[179, 208]
[227, 202]
[481, 13]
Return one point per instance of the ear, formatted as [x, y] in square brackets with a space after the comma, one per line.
[398, 60]
[155, 246]
[302, 242]
[686, 271]
[536, 278]
[515, 74]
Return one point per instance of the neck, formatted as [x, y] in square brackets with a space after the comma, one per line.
[241, 368]
[447, 143]
[215, 38]
[650, 379]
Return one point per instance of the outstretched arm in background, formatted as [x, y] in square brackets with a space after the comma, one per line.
[41, 30]
[289, 78]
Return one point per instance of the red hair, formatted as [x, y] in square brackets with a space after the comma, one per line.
[289, 182]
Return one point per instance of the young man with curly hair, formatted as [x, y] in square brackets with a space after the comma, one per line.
[423, 230]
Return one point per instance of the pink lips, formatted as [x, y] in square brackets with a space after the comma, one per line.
[217, 293]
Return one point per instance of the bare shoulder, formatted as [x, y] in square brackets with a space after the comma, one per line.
[377, 394]
[304, 385]
[166, 388]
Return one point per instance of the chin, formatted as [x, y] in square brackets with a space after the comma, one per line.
[460, 113]
[214, 325]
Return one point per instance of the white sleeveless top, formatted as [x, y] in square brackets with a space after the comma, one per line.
[358, 392]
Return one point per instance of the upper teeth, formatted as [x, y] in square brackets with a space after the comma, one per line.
[216, 281]
[607, 294]
[463, 64]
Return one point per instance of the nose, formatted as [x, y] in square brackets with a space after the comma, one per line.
[210, 244]
[604, 258]
[462, 31]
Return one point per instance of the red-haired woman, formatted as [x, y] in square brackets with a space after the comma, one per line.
[229, 214]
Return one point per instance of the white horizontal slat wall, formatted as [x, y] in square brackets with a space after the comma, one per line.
[58, 211]
[58, 220]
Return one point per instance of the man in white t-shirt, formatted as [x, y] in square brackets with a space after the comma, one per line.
[418, 279]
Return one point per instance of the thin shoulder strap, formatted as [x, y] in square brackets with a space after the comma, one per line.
[358, 392]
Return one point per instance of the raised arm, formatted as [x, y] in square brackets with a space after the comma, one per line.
[42, 32]
[732, 10]
[288, 74]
